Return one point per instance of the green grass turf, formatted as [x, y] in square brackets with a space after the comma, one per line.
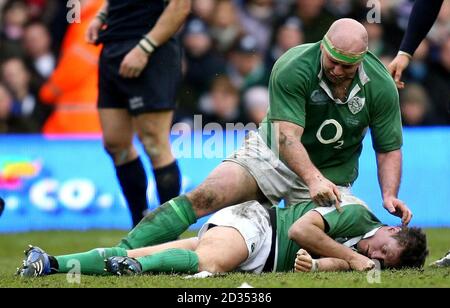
[58, 242]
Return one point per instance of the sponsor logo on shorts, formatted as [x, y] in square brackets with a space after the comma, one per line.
[136, 102]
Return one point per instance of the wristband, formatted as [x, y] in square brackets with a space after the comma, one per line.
[314, 266]
[151, 41]
[102, 17]
[405, 54]
[146, 47]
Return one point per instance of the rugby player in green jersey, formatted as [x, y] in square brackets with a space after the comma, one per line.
[323, 99]
[249, 238]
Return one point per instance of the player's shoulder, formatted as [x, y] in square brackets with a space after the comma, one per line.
[378, 73]
[298, 55]
[301, 60]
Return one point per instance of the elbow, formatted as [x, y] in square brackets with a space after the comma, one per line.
[296, 234]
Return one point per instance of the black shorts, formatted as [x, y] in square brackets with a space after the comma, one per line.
[154, 90]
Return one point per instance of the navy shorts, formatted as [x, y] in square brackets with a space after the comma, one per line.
[154, 90]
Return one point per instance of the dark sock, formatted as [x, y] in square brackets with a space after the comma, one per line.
[168, 182]
[54, 266]
[133, 180]
[164, 224]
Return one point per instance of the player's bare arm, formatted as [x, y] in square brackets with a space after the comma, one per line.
[323, 192]
[308, 232]
[389, 175]
[96, 24]
[167, 25]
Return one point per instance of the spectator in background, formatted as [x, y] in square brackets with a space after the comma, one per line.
[257, 18]
[438, 83]
[203, 9]
[415, 106]
[6, 104]
[288, 35]
[246, 67]
[222, 104]
[8, 122]
[256, 103]
[72, 88]
[377, 44]
[17, 78]
[339, 8]
[202, 64]
[13, 20]
[316, 19]
[225, 26]
[37, 46]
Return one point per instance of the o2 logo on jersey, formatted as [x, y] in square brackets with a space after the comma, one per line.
[333, 139]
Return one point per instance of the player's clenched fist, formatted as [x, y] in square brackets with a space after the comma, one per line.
[304, 262]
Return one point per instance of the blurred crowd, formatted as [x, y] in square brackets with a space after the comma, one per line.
[48, 73]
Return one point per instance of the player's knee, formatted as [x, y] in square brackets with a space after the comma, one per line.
[210, 265]
[154, 146]
[204, 200]
[118, 153]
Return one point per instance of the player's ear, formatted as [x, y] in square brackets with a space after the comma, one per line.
[394, 229]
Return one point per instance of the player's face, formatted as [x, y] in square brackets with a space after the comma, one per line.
[383, 247]
[337, 72]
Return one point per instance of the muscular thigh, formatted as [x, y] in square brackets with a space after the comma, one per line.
[221, 249]
[228, 184]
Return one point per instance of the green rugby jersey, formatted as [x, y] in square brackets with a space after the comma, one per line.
[349, 227]
[333, 130]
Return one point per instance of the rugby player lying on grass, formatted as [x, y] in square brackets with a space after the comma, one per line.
[247, 237]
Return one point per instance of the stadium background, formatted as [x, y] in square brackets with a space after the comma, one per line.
[54, 173]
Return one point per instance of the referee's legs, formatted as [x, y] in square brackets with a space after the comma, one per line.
[117, 126]
[154, 133]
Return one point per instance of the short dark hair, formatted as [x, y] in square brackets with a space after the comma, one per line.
[414, 243]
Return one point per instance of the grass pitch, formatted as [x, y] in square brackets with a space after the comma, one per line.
[58, 242]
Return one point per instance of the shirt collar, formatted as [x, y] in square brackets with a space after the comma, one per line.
[360, 82]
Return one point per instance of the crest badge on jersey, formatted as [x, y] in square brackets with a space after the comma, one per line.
[356, 104]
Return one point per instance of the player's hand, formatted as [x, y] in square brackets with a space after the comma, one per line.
[361, 263]
[93, 29]
[396, 68]
[134, 63]
[325, 193]
[398, 208]
[304, 262]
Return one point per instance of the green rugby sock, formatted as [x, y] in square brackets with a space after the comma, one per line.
[91, 262]
[171, 260]
[164, 224]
